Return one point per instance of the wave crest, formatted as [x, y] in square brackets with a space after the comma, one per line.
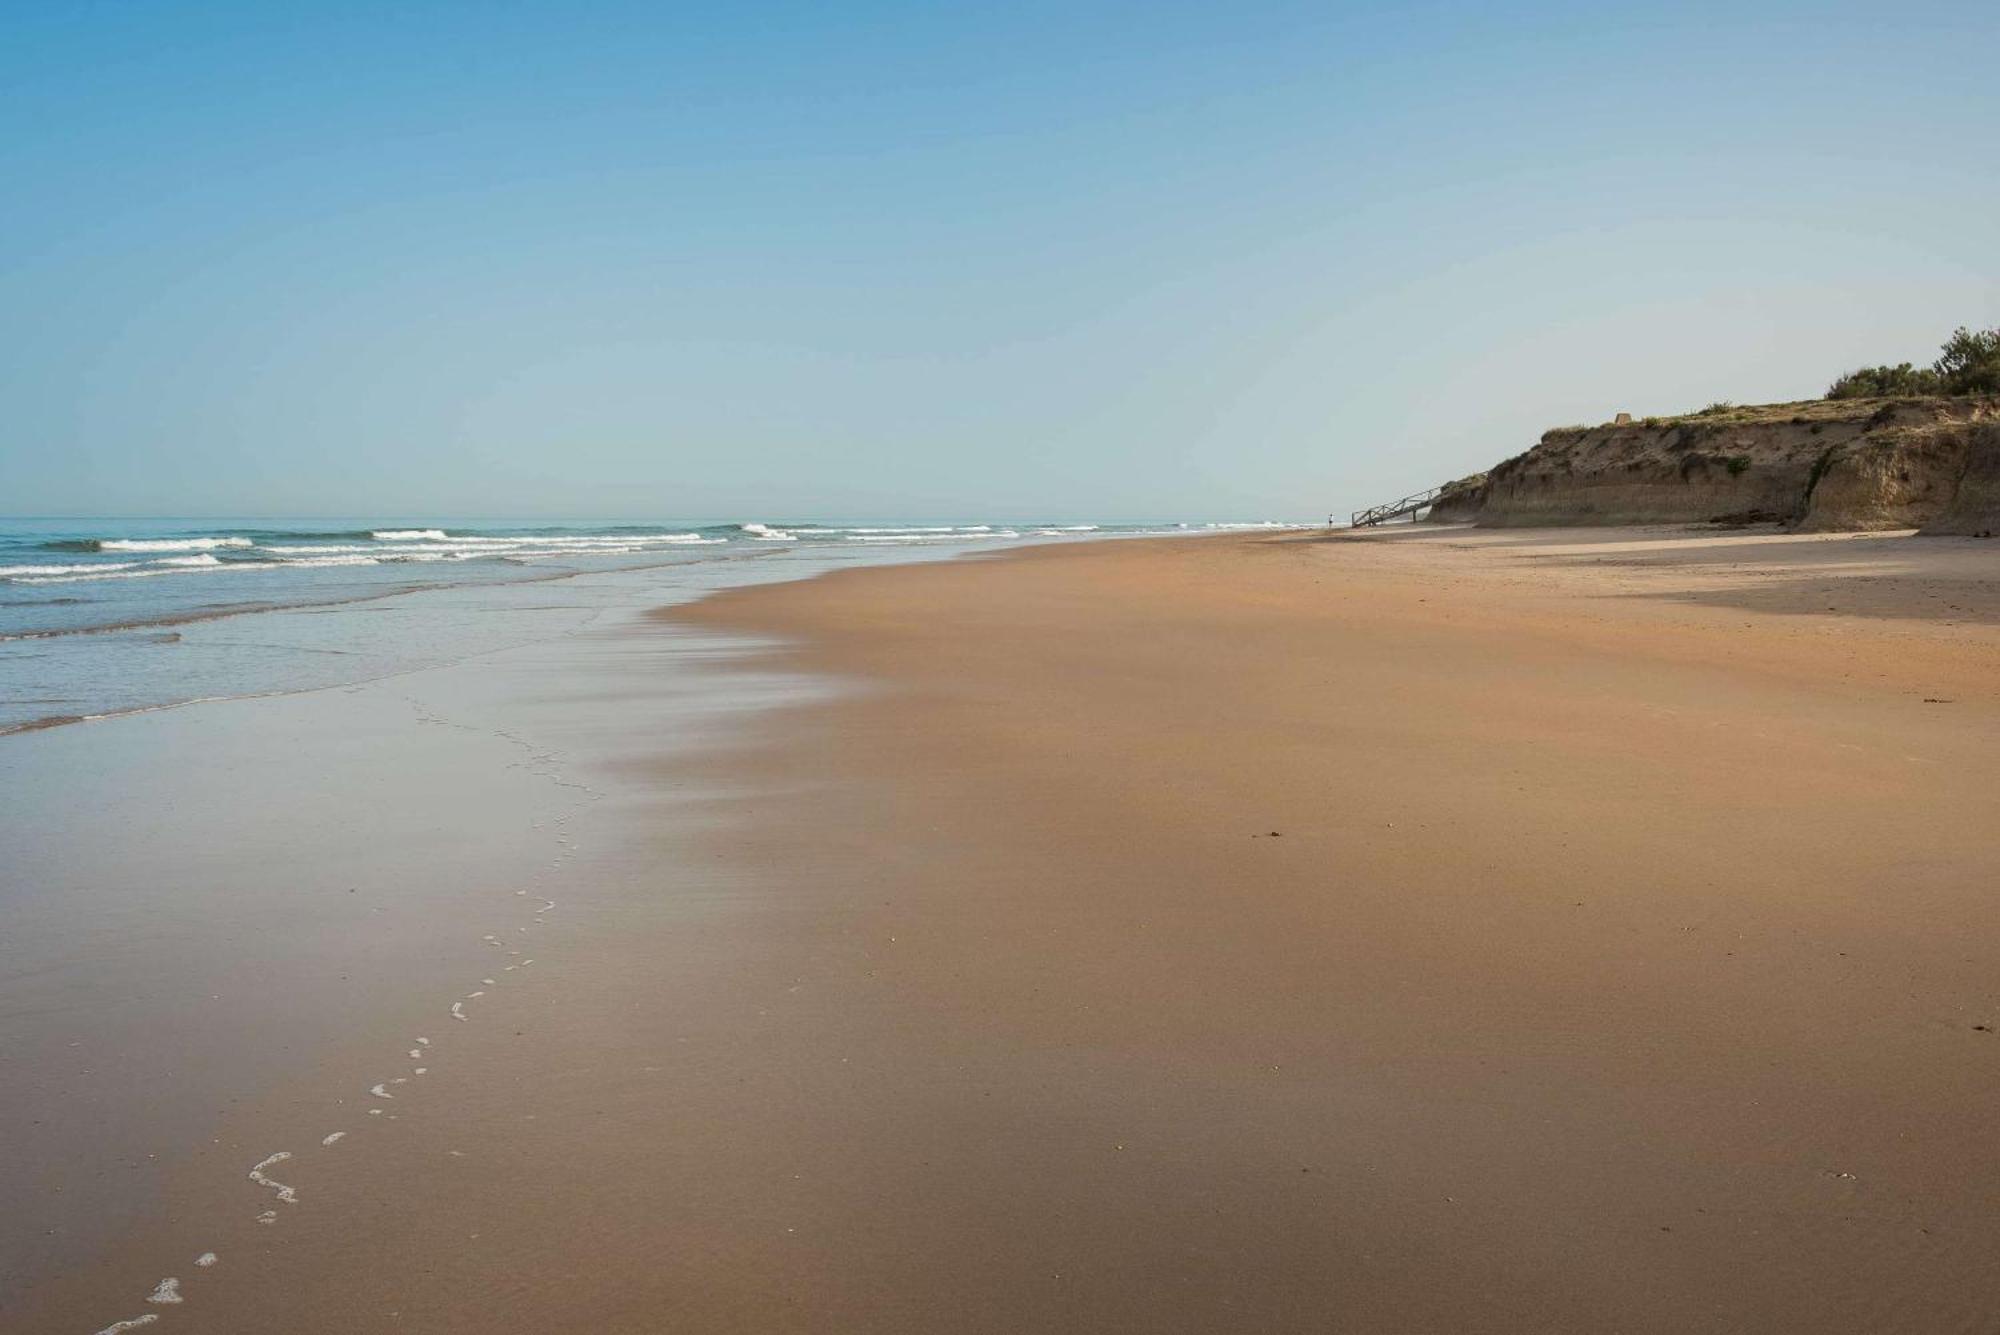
[168, 544]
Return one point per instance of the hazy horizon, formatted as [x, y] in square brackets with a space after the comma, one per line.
[898, 262]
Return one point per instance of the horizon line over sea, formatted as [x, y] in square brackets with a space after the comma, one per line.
[105, 616]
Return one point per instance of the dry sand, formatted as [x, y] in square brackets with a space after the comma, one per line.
[1429, 931]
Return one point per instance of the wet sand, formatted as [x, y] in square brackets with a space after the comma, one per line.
[250, 928]
[1426, 931]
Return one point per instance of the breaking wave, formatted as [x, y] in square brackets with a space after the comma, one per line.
[169, 544]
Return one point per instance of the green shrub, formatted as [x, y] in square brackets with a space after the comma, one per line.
[1968, 363]
[1886, 382]
[1737, 463]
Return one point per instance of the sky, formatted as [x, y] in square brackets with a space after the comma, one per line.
[1039, 261]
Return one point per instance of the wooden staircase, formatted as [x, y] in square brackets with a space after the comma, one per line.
[1382, 514]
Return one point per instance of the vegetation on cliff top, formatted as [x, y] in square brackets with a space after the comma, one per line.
[1808, 412]
[1969, 363]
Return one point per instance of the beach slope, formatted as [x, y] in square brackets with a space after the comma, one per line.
[1409, 931]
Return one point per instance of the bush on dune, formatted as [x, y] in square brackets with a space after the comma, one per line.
[1969, 363]
[1886, 382]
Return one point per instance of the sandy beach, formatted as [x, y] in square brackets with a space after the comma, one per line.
[1413, 931]
[1416, 931]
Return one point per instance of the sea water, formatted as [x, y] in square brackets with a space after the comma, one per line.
[105, 617]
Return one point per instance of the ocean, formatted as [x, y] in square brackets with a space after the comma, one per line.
[106, 617]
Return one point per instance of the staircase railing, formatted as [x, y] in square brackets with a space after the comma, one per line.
[1382, 514]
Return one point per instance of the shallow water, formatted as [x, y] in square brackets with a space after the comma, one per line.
[317, 893]
[101, 617]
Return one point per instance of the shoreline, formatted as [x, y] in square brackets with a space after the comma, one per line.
[228, 966]
[92, 626]
[228, 973]
[1424, 930]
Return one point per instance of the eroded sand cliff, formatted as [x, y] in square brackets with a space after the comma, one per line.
[1931, 464]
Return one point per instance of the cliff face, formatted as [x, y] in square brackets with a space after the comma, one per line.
[1458, 502]
[1959, 467]
[1855, 464]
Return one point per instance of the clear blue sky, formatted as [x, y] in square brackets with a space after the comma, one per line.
[1023, 260]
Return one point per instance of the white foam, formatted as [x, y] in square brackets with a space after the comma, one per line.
[420, 1070]
[168, 566]
[169, 544]
[286, 1194]
[268, 1217]
[434, 544]
[333, 1139]
[165, 565]
[104, 567]
[425, 1042]
[380, 1091]
[906, 529]
[131, 1324]
[458, 1010]
[169, 1291]
[765, 533]
[206, 1259]
[614, 540]
[316, 562]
